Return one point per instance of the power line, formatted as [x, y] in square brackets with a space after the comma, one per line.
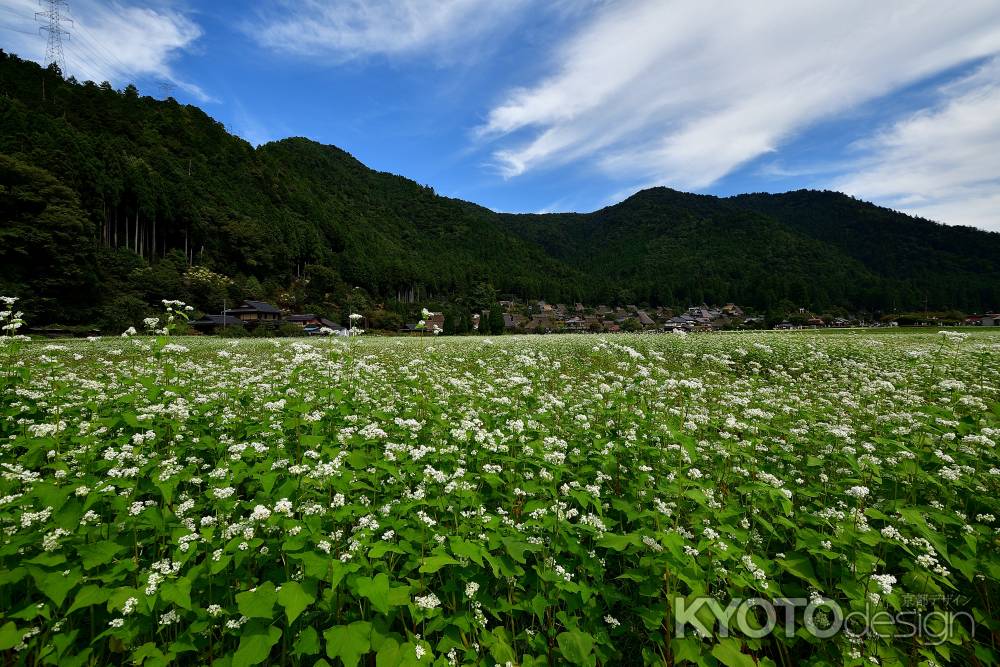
[15, 12]
[108, 57]
[96, 59]
[166, 87]
[23, 32]
[53, 19]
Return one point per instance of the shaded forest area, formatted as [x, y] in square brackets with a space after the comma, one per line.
[111, 201]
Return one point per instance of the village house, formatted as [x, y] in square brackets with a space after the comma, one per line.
[679, 322]
[209, 324]
[434, 322]
[312, 324]
[255, 313]
[543, 323]
[513, 322]
[732, 310]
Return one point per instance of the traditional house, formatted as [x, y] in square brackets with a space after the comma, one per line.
[644, 319]
[313, 325]
[317, 329]
[540, 324]
[702, 315]
[303, 319]
[256, 312]
[576, 324]
[684, 322]
[513, 322]
[990, 320]
[213, 323]
[435, 322]
[732, 310]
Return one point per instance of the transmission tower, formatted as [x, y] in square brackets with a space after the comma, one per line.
[52, 19]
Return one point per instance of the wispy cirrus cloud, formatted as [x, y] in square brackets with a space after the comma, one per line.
[109, 41]
[942, 162]
[341, 30]
[682, 93]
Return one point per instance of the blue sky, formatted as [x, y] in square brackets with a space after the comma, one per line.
[563, 105]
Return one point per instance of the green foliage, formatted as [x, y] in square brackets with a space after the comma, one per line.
[109, 198]
[576, 647]
[258, 603]
[348, 642]
[813, 249]
[46, 241]
[295, 599]
[414, 501]
[495, 322]
[255, 645]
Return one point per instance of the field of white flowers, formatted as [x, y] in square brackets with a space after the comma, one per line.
[525, 501]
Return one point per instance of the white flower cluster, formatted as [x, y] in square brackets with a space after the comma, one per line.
[755, 571]
[429, 601]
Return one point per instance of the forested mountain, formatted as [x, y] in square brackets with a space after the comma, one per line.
[110, 201]
[810, 248]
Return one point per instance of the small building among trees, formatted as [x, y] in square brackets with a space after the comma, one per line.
[256, 312]
[214, 323]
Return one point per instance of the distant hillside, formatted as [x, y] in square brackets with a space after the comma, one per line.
[107, 198]
[811, 248]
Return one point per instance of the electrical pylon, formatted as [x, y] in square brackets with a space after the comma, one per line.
[52, 18]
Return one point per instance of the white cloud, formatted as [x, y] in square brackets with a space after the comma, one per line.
[346, 29]
[682, 92]
[109, 41]
[941, 163]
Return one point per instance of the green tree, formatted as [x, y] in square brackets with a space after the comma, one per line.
[46, 245]
[496, 319]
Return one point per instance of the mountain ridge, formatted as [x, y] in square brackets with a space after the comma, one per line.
[142, 189]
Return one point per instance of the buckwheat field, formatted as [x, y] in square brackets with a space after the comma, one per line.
[514, 501]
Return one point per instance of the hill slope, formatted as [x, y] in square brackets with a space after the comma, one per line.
[808, 247]
[108, 198]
